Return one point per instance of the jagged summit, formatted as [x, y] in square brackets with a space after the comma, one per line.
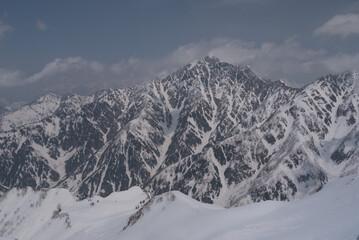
[206, 60]
[214, 131]
[211, 65]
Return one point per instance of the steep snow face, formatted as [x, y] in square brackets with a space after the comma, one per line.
[55, 214]
[216, 132]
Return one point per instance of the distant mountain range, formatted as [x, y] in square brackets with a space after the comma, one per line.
[214, 131]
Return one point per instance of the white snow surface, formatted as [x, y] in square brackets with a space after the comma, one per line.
[332, 213]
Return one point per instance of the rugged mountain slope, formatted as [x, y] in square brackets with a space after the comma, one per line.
[214, 131]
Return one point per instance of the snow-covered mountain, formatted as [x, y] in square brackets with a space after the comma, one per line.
[217, 132]
[330, 214]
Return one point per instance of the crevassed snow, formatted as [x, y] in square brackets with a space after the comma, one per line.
[332, 213]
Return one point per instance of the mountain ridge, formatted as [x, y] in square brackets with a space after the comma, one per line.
[215, 131]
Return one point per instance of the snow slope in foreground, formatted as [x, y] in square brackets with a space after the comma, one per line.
[37, 215]
[332, 213]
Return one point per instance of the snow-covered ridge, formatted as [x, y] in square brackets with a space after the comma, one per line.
[42, 108]
[329, 214]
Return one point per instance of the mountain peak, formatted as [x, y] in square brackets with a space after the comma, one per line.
[209, 59]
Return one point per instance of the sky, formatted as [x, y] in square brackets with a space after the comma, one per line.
[83, 46]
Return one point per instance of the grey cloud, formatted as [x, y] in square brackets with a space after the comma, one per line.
[61, 76]
[288, 60]
[4, 28]
[9, 78]
[41, 25]
[342, 25]
[342, 62]
[338, 63]
[67, 67]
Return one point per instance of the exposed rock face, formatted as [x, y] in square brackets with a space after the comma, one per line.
[214, 131]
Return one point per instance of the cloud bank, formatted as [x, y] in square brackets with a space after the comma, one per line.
[288, 60]
[342, 25]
